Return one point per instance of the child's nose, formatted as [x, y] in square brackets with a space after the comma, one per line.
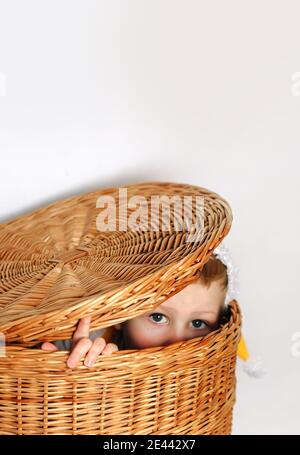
[174, 337]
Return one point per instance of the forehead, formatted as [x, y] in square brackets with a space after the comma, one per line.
[196, 297]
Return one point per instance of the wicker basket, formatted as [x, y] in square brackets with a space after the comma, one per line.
[57, 267]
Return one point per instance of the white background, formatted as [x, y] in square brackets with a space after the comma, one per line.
[108, 93]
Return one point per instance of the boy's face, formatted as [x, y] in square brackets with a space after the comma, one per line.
[194, 311]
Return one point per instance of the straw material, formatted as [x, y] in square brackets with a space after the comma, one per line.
[57, 267]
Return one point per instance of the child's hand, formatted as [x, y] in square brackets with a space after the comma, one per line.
[82, 345]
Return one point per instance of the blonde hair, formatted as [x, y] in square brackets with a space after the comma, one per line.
[214, 270]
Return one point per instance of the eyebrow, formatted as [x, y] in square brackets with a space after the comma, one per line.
[194, 312]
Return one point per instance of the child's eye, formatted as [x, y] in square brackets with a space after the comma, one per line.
[199, 324]
[157, 316]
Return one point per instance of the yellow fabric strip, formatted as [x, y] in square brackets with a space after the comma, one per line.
[242, 351]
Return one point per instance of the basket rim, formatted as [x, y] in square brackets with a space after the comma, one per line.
[45, 363]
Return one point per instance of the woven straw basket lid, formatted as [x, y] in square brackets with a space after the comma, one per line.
[57, 266]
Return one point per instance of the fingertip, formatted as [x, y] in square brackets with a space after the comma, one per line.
[49, 346]
[109, 349]
[81, 348]
[71, 363]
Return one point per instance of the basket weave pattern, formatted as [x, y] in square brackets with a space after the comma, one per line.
[56, 268]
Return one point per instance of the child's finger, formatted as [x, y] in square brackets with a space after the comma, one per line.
[82, 331]
[81, 348]
[110, 348]
[49, 346]
[97, 347]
